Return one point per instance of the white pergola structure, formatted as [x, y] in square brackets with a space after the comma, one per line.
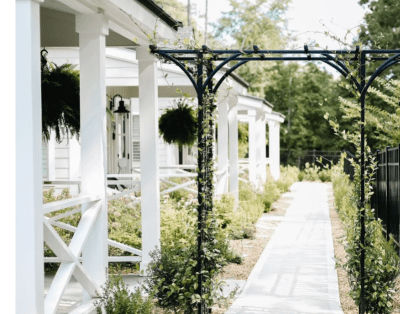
[90, 25]
[257, 112]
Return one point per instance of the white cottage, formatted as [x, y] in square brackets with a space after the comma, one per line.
[88, 28]
[61, 160]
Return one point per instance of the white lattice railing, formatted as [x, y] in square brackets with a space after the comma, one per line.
[69, 256]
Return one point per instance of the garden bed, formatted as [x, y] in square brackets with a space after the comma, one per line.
[339, 238]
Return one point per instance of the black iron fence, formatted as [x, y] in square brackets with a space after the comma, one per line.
[318, 157]
[348, 168]
[386, 187]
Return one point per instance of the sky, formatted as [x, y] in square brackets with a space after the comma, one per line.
[305, 17]
[308, 20]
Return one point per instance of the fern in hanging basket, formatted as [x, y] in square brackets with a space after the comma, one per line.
[60, 99]
[179, 125]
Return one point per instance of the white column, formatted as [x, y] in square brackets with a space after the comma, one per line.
[233, 154]
[222, 184]
[92, 29]
[29, 212]
[258, 148]
[263, 155]
[274, 149]
[149, 156]
[252, 147]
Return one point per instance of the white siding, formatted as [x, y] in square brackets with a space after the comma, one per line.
[62, 160]
[45, 161]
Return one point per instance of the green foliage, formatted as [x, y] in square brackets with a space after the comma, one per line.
[325, 175]
[383, 124]
[304, 94]
[253, 23]
[60, 100]
[117, 299]
[243, 140]
[179, 125]
[124, 226]
[289, 175]
[172, 272]
[314, 173]
[178, 194]
[254, 203]
[381, 260]
[179, 224]
[381, 27]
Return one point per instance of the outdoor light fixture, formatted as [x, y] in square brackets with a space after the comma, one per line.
[121, 107]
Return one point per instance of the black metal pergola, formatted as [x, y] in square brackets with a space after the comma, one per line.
[201, 66]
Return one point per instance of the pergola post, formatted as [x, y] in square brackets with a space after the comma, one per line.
[29, 208]
[222, 184]
[149, 157]
[274, 149]
[92, 29]
[252, 146]
[233, 154]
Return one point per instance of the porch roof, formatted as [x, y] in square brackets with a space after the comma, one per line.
[128, 20]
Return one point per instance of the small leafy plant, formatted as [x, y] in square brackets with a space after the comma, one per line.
[117, 299]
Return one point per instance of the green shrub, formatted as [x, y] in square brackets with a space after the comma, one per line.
[315, 173]
[325, 175]
[270, 194]
[117, 299]
[249, 232]
[251, 204]
[311, 172]
[381, 260]
[172, 274]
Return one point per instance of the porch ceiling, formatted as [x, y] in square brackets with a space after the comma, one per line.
[128, 19]
[57, 29]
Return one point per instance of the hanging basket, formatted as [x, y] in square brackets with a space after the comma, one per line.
[179, 125]
[60, 99]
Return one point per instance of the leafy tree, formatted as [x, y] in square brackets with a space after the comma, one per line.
[384, 125]
[382, 24]
[254, 23]
[304, 94]
[382, 27]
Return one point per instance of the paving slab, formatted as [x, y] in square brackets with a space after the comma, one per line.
[296, 272]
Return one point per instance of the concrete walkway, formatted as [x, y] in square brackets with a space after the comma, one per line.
[296, 271]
